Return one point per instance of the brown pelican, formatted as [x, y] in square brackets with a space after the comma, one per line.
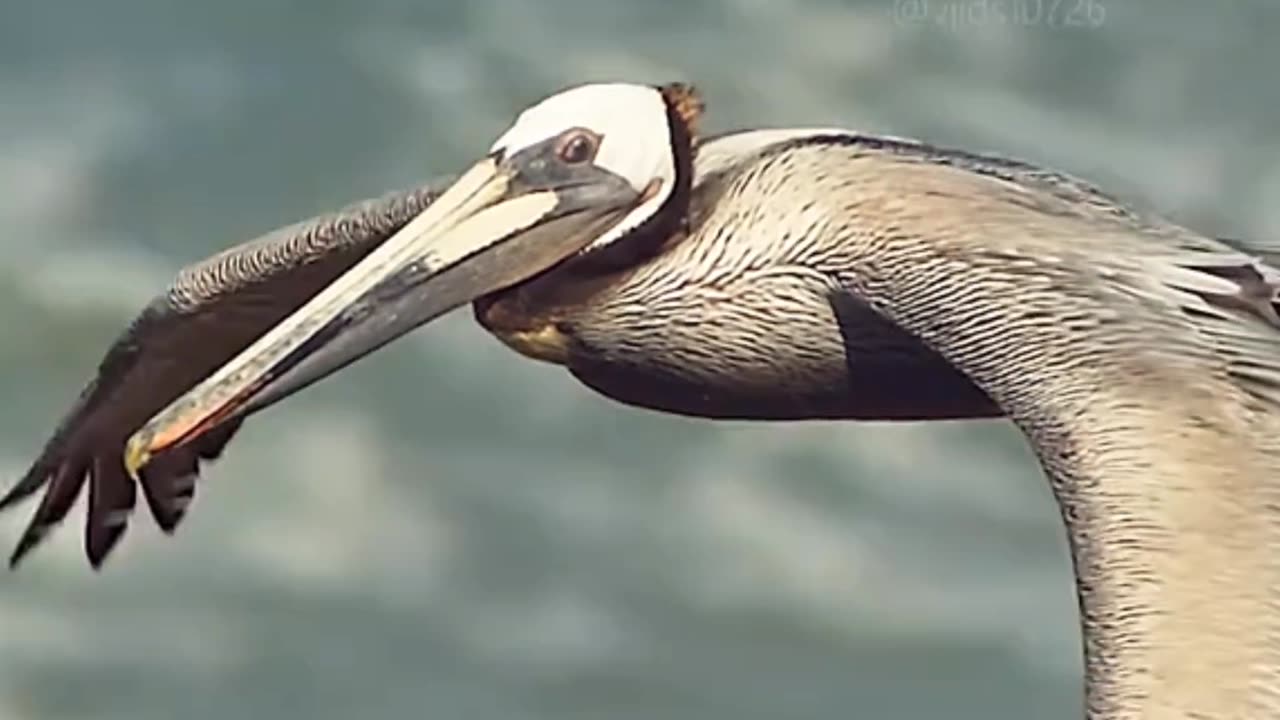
[784, 275]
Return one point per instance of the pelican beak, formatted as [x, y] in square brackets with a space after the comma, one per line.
[503, 221]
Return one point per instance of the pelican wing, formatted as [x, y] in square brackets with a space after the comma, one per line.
[212, 310]
[1025, 221]
[1142, 362]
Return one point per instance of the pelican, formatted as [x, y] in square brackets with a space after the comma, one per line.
[784, 274]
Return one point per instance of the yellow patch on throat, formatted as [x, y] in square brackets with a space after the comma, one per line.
[545, 343]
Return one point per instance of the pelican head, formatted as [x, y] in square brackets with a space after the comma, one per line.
[595, 141]
[575, 176]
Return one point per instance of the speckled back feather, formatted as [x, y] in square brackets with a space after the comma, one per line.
[1141, 359]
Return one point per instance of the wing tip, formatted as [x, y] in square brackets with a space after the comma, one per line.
[36, 477]
[33, 533]
[168, 486]
[101, 538]
[30, 538]
[13, 496]
[100, 541]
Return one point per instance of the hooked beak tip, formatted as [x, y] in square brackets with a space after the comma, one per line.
[137, 452]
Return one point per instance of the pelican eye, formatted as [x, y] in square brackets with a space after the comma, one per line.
[577, 147]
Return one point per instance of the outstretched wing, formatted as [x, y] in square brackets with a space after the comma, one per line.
[212, 310]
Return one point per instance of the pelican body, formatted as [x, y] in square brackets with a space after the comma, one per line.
[785, 275]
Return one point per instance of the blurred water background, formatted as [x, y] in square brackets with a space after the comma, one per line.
[447, 530]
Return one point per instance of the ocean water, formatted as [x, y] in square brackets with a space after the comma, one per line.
[447, 530]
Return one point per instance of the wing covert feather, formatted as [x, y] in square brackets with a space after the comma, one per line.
[213, 309]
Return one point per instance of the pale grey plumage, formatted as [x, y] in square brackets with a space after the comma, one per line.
[1141, 359]
[828, 274]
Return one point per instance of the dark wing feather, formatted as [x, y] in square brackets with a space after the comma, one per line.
[169, 480]
[212, 311]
